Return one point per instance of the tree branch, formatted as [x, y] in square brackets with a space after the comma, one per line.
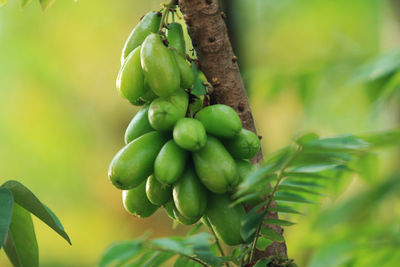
[210, 39]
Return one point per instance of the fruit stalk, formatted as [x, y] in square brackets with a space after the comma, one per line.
[210, 39]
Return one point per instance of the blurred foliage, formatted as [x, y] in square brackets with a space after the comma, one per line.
[309, 65]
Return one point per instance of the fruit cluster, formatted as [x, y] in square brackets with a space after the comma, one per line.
[188, 163]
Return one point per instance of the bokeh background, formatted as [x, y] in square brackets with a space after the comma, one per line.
[62, 120]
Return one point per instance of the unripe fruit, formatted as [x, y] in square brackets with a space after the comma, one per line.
[189, 134]
[220, 120]
[243, 146]
[183, 220]
[134, 163]
[135, 201]
[245, 168]
[190, 196]
[157, 193]
[159, 66]
[138, 126]
[175, 38]
[185, 70]
[215, 166]
[130, 80]
[169, 209]
[149, 23]
[170, 163]
[164, 112]
[225, 220]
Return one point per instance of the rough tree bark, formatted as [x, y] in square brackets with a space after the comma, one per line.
[210, 39]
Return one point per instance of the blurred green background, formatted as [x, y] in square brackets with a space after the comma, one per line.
[62, 120]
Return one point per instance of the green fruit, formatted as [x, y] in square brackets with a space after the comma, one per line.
[225, 220]
[159, 66]
[189, 134]
[169, 209]
[130, 80]
[157, 193]
[183, 220]
[149, 23]
[170, 163]
[244, 168]
[135, 201]
[134, 163]
[220, 120]
[243, 146]
[164, 112]
[190, 196]
[185, 70]
[138, 126]
[215, 166]
[175, 37]
[149, 95]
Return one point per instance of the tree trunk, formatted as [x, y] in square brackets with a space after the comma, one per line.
[210, 39]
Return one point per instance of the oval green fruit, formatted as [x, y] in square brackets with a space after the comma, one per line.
[220, 120]
[190, 196]
[164, 112]
[175, 38]
[189, 134]
[134, 163]
[138, 126]
[135, 201]
[148, 24]
[244, 168]
[215, 166]
[225, 220]
[169, 209]
[170, 163]
[185, 70]
[130, 80]
[159, 66]
[183, 220]
[156, 192]
[243, 146]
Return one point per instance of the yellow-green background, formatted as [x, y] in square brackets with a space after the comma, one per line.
[62, 120]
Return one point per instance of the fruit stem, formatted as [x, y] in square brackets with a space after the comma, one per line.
[217, 242]
[270, 198]
[165, 13]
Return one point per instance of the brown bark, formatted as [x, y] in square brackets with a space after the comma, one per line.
[210, 39]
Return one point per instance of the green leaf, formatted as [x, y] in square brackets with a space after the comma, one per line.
[307, 138]
[298, 189]
[142, 259]
[250, 224]
[25, 2]
[158, 259]
[271, 235]
[25, 198]
[379, 68]
[172, 245]
[296, 182]
[200, 80]
[6, 208]
[20, 245]
[345, 142]
[314, 167]
[305, 175]
[284, 209]
[278, 222]
[45, 4]
[383, 139]
[186, 262]
[121, 252]
[263, 243]
[290, 197]
[262, 263]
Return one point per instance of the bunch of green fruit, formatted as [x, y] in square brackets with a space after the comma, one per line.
[187, 162]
